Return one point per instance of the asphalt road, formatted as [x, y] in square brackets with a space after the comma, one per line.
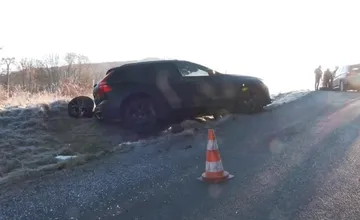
[298, 161]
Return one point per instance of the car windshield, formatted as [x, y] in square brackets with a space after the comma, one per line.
[209, 70]
[194, 69]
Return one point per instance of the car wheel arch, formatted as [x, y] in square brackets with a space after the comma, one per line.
[158, 101]
[132, 96]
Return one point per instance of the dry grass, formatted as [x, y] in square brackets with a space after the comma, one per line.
[34, 128]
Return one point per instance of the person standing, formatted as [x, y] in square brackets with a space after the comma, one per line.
[318, 74]
[333, 76]
[327, 78]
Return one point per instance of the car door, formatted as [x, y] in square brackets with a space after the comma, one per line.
[338, 76]
[205, 86]
[177, 91]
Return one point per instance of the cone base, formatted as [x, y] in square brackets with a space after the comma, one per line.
[224, 178]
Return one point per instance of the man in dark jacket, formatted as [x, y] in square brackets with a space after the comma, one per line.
[327, 78]
[318, 74]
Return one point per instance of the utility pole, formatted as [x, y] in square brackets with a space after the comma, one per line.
[8, 62]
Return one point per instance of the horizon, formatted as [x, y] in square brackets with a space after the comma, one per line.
[281, 42]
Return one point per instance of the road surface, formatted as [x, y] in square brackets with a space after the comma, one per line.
[298, 161]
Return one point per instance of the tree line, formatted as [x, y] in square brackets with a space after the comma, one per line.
[71, 74]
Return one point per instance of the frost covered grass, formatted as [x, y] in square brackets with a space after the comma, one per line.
[34, 129]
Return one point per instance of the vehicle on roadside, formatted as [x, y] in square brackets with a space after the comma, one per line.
[347, 78]
[146, 95]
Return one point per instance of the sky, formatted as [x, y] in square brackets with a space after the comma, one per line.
[280, 41]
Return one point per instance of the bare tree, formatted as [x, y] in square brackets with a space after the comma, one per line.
[50, 67]
[27, 70]
[8, 62]
[77, 66]
[47, 74]
[70, 59]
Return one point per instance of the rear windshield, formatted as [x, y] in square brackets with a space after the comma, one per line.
[130, 73]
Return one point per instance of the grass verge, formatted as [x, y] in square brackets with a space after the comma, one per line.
[34, 129]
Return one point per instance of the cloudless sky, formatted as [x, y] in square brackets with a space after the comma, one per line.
[281, 41]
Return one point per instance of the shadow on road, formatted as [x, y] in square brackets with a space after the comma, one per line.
[300, 182]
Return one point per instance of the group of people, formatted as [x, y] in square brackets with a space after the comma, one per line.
[327, 77]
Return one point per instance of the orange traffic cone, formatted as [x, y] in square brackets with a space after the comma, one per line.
[214, 170]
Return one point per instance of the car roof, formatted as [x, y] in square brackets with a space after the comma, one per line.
[143, 63]
[348, 65]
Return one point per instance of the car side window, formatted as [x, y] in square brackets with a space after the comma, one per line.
[137, 73]
[188, 69]
[167, 69]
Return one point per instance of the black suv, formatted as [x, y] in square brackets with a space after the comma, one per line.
[147, 94]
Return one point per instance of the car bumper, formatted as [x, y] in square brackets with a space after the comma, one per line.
[265, 100]
[100, 109]
[107, 111]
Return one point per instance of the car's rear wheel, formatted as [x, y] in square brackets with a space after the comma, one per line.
[139, 114]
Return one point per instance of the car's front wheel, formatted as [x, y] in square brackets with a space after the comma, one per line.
[139, 114]
[249, 105]
[252, 106]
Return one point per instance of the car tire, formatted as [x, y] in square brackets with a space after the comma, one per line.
[81, 107]
[250, 105]
[253, 107]
[139, 114]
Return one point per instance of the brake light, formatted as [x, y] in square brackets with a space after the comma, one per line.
[103, 87]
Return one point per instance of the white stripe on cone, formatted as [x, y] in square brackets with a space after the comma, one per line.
[212, 145]
[214, 166]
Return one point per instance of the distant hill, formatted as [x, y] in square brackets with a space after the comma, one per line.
[98, 70]
[103, 67]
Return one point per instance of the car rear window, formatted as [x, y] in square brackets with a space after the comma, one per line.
[132, 73]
